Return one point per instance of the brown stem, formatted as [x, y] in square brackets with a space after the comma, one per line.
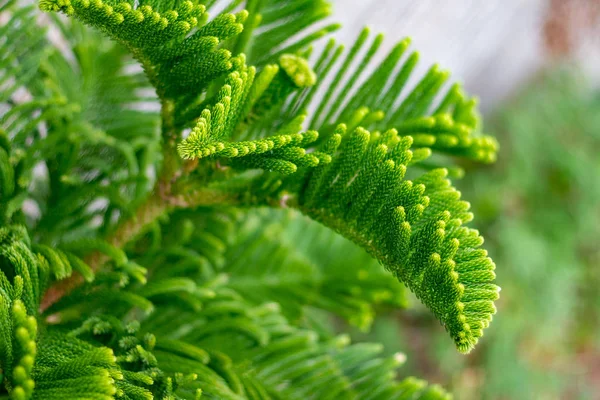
[161, 201]
[130, 228]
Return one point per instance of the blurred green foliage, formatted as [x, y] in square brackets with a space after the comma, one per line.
[539, 209]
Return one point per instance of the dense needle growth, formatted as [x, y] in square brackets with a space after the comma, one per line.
[141, 253]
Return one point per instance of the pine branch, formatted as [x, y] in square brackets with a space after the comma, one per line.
[413, 227]
[165, 321]
[450, 127]
[165, 43]
[128, 230]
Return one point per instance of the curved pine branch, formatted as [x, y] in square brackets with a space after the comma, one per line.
[414, 227]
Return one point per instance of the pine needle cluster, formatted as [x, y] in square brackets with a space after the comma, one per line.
[131, 265]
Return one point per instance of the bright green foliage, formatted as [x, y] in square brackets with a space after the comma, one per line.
[242, 98]
[22, 349]
[56, 367]
[285, 153]
[365, 188]
[67, 368]
[129, 267]
[450, 127]
[227, 313]
[167, 42]
[17, 313]
[286, 28]
[413, 227]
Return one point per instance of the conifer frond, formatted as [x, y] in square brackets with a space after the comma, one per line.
[219, 120]
[283, 27]
[67, 368]
[228, 348]
[219, 340]
[19, 331]
[179, 51]
[414, 227]
[19, 295]
[285, 361]
[382, 100]
[55, 365]
[338, 194]
[281, 153]
[20, 265]
[242, 101]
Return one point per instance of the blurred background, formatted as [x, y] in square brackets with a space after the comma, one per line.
[535, 65]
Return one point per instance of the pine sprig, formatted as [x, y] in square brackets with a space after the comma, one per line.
[414, 227]
[240, 102]
[19, 292]
[166, 43]
[68, 368]
[219, 121]
[21, 349]
[381, 100]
